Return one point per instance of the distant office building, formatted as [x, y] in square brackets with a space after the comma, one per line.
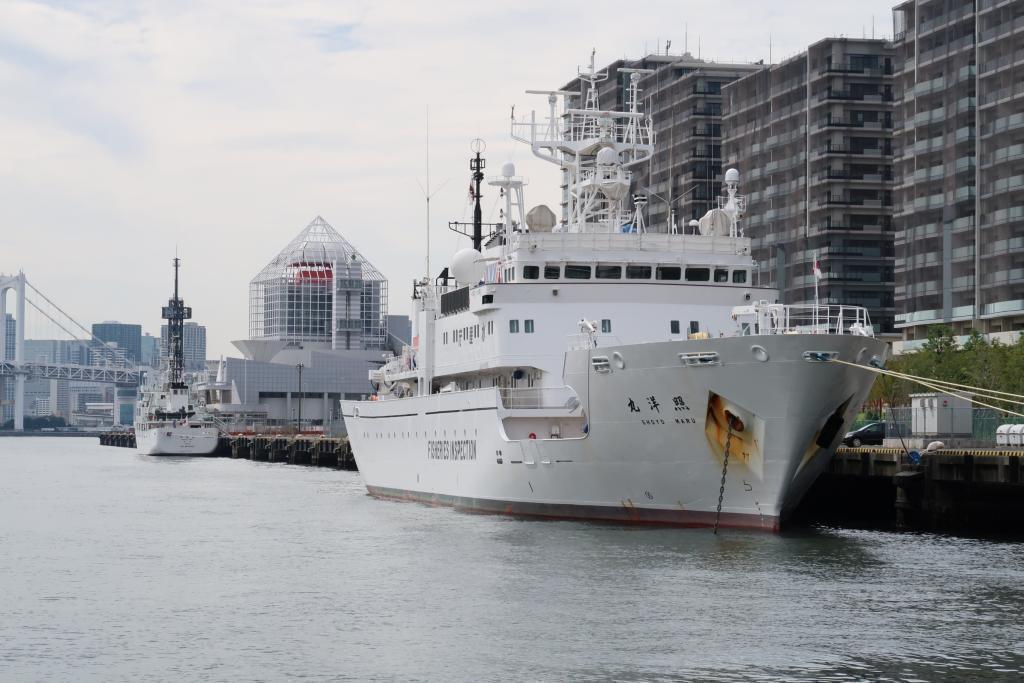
[683, 96]
[193, 346]
[126, 337]
[150, 350]
[812, 139]
[53, 394]
[960, 163]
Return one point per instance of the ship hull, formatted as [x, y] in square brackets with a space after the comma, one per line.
[176, 440]
[647, 442]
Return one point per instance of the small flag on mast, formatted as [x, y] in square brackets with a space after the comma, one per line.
[817, 270]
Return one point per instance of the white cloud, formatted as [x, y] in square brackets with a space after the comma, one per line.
[222, 128]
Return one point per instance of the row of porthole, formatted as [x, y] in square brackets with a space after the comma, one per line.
[761, 354]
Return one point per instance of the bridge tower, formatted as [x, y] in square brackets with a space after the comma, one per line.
[17, 284]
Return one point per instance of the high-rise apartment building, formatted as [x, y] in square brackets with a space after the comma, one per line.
[683, 96]
[150, 350]
[812, 139]
[959, 166]
[193, 345]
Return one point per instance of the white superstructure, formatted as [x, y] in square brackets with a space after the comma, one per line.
[168, 419]
[592, 369]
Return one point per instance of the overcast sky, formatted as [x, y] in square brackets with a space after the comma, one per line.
[129, 129]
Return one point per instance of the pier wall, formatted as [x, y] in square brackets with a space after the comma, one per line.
[952, 489]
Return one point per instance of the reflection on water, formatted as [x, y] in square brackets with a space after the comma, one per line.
[117, 566]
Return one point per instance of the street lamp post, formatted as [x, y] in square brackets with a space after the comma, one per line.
[299, 367]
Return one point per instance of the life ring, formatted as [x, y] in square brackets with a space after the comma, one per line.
[532, 435]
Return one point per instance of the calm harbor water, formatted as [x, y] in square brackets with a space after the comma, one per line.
[115, 566]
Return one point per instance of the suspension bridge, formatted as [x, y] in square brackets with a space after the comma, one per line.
[106, 364]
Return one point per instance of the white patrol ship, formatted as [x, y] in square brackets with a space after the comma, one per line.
[168, 419]
[595, 370]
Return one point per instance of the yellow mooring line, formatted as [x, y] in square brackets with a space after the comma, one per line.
[936, 386]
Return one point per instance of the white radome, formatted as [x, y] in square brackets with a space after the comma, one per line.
[467, 268]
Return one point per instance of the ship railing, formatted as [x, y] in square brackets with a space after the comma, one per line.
[584, 340]
[599, 238]
[533, 398]
[767, 318]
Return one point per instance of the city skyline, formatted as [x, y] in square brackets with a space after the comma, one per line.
[134, 133]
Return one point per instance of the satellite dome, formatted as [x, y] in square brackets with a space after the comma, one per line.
[732, 176]
[607, 157]
[508, 169]
[540, 219]
[466, 267]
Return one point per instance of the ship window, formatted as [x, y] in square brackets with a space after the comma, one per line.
[638, 272]
[694, 327]
[673, 327]
[608, 272]
[531, 272]
[552, 272]
[528, 326]
[513, 326]
[698, 274]
[575, 271]
[668, 272]
[606, 326]
[739, 276]
[721, 274]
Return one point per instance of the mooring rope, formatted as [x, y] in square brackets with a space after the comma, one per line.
[936, 385]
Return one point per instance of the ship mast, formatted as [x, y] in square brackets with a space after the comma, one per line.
[475, 231]
[176, 313]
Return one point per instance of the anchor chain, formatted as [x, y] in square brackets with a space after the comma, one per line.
[725, 468]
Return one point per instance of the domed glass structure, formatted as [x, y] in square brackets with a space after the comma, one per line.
[319, 289]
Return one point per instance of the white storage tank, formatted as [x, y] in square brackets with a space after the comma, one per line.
[1016, 435]
[1003, 435]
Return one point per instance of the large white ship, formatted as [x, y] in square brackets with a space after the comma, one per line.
[595, 370]
[168, 418]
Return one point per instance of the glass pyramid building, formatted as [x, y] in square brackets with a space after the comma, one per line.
[319, 289]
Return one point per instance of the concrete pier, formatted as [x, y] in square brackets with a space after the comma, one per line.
[962, 489]
[300, 449]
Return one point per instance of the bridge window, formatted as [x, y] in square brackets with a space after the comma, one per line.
[698, 274]
[638, 272]
[673, 326]
[668, 272]
[739, 276]
[575, 271]
[531, 272]
[606, 326]
[721, 274]
[608, 272]
[513, 326]
[552, 272]
[528, 326]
